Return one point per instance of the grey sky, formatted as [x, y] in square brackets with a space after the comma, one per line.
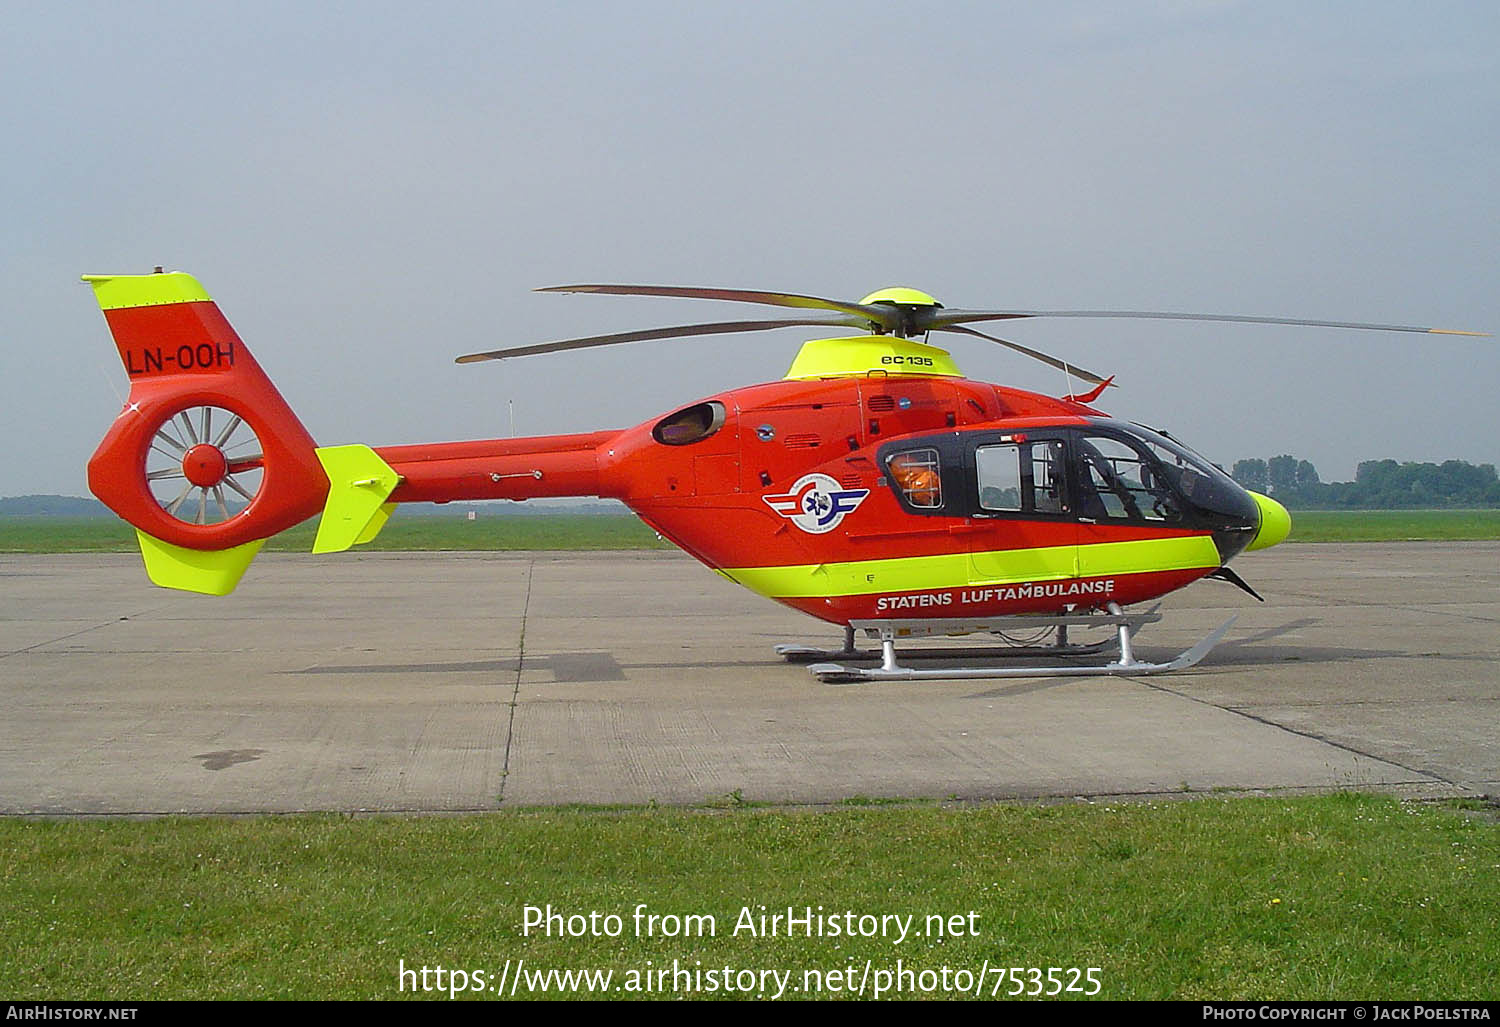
[370, 190]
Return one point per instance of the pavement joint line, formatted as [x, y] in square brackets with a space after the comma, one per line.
[1242, 707]
[1238, 712]
[510, 725]
[80, 631]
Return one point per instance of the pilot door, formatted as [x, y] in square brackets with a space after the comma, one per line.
[1126, 509]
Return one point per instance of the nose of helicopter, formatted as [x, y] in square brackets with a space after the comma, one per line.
[1275, 523]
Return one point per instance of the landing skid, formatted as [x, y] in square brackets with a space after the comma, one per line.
[1125, 626]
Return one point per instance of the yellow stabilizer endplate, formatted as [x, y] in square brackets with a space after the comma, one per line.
[376, 523]
[359, 482]
[212, 572]
[116, 291]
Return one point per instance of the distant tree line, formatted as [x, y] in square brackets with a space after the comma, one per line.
[1377, 484]
[51, 506]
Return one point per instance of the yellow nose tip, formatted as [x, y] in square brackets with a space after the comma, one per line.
[1275, 523]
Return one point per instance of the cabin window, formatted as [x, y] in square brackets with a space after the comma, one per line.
[1016, 477]
[1047, 473]
[694, 424]
[999, 470]
[918, 474]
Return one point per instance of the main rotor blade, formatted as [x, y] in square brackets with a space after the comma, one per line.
[1061, 365]
[682, 331]
[929, 320]
[884, 315]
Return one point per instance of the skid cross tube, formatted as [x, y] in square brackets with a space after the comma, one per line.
[930, 627]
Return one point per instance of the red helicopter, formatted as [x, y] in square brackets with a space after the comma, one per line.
[874, 487]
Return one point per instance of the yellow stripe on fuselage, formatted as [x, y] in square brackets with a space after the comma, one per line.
[954, 570]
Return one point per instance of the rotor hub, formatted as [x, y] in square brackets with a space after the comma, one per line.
[205, 465]
[901, 297]
[906, 303]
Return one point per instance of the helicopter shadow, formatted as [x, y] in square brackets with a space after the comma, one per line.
[1249, 651]
[1253, 650]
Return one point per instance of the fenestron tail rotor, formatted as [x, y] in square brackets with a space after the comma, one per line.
[204, 465]
[206, 461]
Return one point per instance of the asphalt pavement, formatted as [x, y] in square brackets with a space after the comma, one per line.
[480, 681]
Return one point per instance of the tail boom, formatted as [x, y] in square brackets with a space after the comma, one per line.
[525, 468]
[366, 484]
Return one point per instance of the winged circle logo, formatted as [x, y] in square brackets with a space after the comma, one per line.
[817, 503]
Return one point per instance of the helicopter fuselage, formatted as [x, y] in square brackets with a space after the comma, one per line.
[888, 495]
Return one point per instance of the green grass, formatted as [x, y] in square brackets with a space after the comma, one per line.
[604, 531]
[537, 532]
[65, 535]
[1345, 896]
[1394, 525]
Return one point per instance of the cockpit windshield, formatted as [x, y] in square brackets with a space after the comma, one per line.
[1195, 477]
[1176, 468]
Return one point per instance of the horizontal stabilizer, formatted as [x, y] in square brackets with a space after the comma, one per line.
[359, 482]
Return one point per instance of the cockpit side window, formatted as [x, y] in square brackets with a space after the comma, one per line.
[1119, 483]
[918, 474]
